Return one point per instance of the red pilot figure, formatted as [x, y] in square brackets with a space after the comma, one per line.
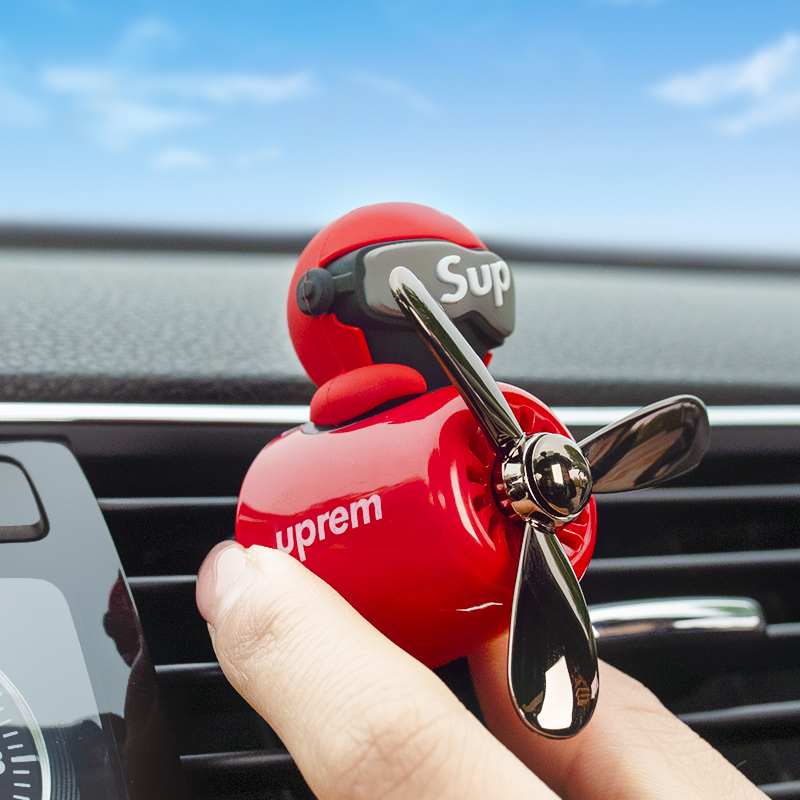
[442, 506]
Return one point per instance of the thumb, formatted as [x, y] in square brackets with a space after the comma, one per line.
[361, 717]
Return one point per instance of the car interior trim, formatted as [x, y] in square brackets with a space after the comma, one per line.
[719, 416]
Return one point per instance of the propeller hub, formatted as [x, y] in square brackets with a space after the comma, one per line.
[560, 476]
[546, 475]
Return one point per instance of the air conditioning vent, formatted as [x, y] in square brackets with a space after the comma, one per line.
[741, 692]
[706, 519]
[227, 750]
[168, 492]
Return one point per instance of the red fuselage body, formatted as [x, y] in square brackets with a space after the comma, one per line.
[398, 514]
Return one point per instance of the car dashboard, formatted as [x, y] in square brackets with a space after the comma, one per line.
[162, 361]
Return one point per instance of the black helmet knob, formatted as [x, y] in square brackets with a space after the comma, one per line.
[315, 292]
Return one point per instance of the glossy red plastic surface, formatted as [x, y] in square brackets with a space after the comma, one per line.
[354, 393]
[325, 346]
[397, 513]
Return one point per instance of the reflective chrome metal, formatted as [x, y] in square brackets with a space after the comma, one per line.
[673, 616]
[547, 475]
[153, 412]
[462, 365]
[552, 660]
[552, 664]
[652, 445]
[562, 481]
[787, 416]
[514, 476]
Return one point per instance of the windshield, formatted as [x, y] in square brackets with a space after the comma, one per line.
[581, 122]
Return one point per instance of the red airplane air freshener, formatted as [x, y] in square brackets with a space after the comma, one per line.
[442, 506]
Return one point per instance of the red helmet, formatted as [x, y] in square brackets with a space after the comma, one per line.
[336, 297]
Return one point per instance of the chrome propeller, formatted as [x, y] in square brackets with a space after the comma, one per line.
[548, 478]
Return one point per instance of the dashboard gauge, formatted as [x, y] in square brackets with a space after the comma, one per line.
[24, 765]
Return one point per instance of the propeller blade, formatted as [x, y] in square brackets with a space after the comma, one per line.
[462, 365]
[552, 658]
[648, 447]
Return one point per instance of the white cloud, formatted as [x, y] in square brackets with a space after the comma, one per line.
[779, 110]
[398, 89]
[227, 89]
[118, 123]
[121, 100]
[755, 76]
[180, 158]
[113, 110]
[119, 107]
[252, 158]
[766, 85]
[224, 89]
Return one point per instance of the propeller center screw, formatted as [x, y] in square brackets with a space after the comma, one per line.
[559, 475]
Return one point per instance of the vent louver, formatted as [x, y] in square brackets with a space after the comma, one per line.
[226, 749]
[741, 691]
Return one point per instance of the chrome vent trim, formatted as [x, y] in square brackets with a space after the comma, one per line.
[579, 416]
[161, 503]
[155, 412]
[705, 494]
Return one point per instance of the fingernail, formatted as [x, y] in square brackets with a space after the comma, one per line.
[222, 579]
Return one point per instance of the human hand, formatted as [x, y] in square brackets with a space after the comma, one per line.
[365, 720]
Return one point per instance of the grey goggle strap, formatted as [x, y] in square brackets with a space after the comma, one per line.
[467, 283]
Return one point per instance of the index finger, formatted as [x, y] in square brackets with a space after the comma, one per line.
[361, 717]
[632, 748]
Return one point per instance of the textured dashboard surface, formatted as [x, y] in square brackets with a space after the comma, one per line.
[161, 327]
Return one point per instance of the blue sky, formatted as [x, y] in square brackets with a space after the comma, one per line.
[666, 123]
